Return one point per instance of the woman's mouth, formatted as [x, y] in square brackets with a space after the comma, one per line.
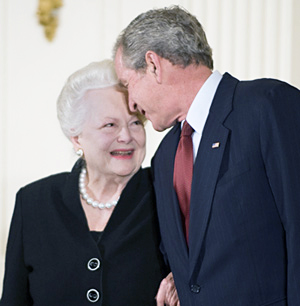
[122, 154]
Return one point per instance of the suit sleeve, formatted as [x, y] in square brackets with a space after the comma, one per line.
[161, 245]
[15, 284]
[280, 142]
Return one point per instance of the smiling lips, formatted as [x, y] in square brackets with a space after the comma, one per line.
[122, 154]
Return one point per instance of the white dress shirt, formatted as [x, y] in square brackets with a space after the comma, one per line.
[198, 111]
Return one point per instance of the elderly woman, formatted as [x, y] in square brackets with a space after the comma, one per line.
[89, 236]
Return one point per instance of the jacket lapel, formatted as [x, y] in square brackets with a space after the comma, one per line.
[71, 198]
[206, 168]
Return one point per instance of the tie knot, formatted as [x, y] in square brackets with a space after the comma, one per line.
[187, 130]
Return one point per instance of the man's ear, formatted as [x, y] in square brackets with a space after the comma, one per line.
[154, 67]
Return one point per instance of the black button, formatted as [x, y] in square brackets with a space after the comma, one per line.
[195, 288]
[93, 295]
[93, 264]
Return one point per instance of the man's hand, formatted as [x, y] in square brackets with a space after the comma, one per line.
[167, 293]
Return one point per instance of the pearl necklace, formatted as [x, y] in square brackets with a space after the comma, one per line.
[87, 198]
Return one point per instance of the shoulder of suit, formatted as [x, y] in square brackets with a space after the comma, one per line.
[265, 85]
[54, 180]
[51, 181]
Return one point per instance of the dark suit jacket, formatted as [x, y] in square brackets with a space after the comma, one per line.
[244, 236]
[50, 246]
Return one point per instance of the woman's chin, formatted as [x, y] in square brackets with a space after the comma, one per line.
[127, 172]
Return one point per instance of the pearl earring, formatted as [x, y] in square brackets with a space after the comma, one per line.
[79, 152]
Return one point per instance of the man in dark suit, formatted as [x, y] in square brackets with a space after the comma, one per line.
[237, 242]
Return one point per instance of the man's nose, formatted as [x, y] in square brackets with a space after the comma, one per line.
[132, 105]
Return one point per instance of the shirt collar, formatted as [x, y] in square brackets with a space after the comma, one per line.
[198, 111]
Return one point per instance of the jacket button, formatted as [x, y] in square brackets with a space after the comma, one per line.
[93, 295]
[93, 264]
[195, 288]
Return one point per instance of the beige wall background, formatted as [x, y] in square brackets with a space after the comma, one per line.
[250, 39]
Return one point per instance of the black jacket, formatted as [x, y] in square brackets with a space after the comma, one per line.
[50, 247]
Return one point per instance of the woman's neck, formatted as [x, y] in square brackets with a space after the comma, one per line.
[105, 188]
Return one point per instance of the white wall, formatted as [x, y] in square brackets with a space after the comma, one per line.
[250, 39]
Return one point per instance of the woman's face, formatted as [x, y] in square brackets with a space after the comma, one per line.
[113, 141]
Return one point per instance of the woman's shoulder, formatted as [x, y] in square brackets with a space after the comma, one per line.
[52, 182]
[139, 185]
[143, 176]
[49, 182]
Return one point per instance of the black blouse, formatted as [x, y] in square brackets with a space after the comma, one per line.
[96, 236]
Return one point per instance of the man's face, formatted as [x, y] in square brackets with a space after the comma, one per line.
[145, 94]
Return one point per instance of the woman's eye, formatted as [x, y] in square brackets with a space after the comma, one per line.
[109, 125]
[137, 122]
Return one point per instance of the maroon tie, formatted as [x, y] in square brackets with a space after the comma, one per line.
[183, 174]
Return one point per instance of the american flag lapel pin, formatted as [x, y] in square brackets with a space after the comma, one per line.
[215, 145]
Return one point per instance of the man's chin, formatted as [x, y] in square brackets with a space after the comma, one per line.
[160, 128]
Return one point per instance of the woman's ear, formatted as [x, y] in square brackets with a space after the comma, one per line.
[75, 142]
[77, 146]
[153, 62]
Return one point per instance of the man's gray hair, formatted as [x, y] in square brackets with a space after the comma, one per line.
[172, 33]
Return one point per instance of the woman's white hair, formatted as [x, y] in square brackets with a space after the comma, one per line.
[71, 109]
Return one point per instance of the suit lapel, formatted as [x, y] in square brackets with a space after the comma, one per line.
[206, 168]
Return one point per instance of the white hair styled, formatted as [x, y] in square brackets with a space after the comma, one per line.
[71, 109]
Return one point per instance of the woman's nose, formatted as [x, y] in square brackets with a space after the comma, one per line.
[125, 135]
